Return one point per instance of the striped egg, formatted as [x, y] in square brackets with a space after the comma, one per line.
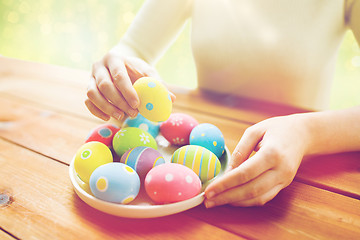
[201, 160]
[142, 159]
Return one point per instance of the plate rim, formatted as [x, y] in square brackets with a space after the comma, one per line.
[138, 211]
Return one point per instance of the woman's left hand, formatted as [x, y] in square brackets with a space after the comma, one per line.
[280, 144]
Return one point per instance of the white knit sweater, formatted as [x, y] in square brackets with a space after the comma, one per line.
[282, 51]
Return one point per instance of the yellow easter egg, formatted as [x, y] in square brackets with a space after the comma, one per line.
[90, 156]
[155, 100]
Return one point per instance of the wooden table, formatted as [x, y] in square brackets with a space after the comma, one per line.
[43, 121]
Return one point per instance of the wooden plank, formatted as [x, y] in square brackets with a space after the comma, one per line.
[47, 85]
[298, 212]
[340, 171]
[54, 135]
[59, 136]
[44, 206]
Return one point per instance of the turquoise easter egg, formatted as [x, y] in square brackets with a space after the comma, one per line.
[140, 122]
[208, 136]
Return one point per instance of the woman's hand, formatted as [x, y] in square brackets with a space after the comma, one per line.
[110, 92]
[280, 144]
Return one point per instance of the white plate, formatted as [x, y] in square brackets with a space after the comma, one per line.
[142, 206]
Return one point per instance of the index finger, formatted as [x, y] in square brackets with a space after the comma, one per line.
[122, 81]
[247, 144]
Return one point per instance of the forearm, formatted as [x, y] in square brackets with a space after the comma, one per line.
[333, 131]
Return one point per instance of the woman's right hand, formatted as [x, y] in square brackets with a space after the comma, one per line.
[110, 92]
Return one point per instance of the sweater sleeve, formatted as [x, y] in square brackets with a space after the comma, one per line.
[353, 18]
[155, 27]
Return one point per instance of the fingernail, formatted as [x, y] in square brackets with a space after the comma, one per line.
[210, 194]
[134, 104]
[209, 204]
[132, 112]
[117, 115]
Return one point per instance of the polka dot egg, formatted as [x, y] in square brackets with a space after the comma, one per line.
[115, 182]
[131, 137]
[177, 128]
[140, 122]
[171, 182]
[142, 159]
[90, 156]
[202, 161]
[155, 100]
[103, 133]
[208, 136]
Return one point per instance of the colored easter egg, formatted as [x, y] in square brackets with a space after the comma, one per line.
[155, 100]
[103, 133]
[90, 156]
[177, 128]
[115, 182]
[131, 137]
[140, 122]
[142, 159]
[208, 136]
[171, 182]
[201, 160]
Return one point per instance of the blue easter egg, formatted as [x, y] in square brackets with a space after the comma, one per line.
[208, 136]
[115, 182]
[140, 122]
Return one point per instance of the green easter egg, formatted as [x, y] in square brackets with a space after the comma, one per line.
[131, 137]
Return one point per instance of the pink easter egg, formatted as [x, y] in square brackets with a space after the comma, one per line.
[177, 128]
[103, 133]
[171, 182]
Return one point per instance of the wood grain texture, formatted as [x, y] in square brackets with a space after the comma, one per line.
[48, 130]
[5, 236]
[297, 212]
[55, 135]
[44, 206]
[43, 121]
[341, 171]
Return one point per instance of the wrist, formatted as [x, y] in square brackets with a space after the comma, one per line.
[313, 141]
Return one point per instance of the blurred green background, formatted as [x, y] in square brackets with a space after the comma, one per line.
[77, 33]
